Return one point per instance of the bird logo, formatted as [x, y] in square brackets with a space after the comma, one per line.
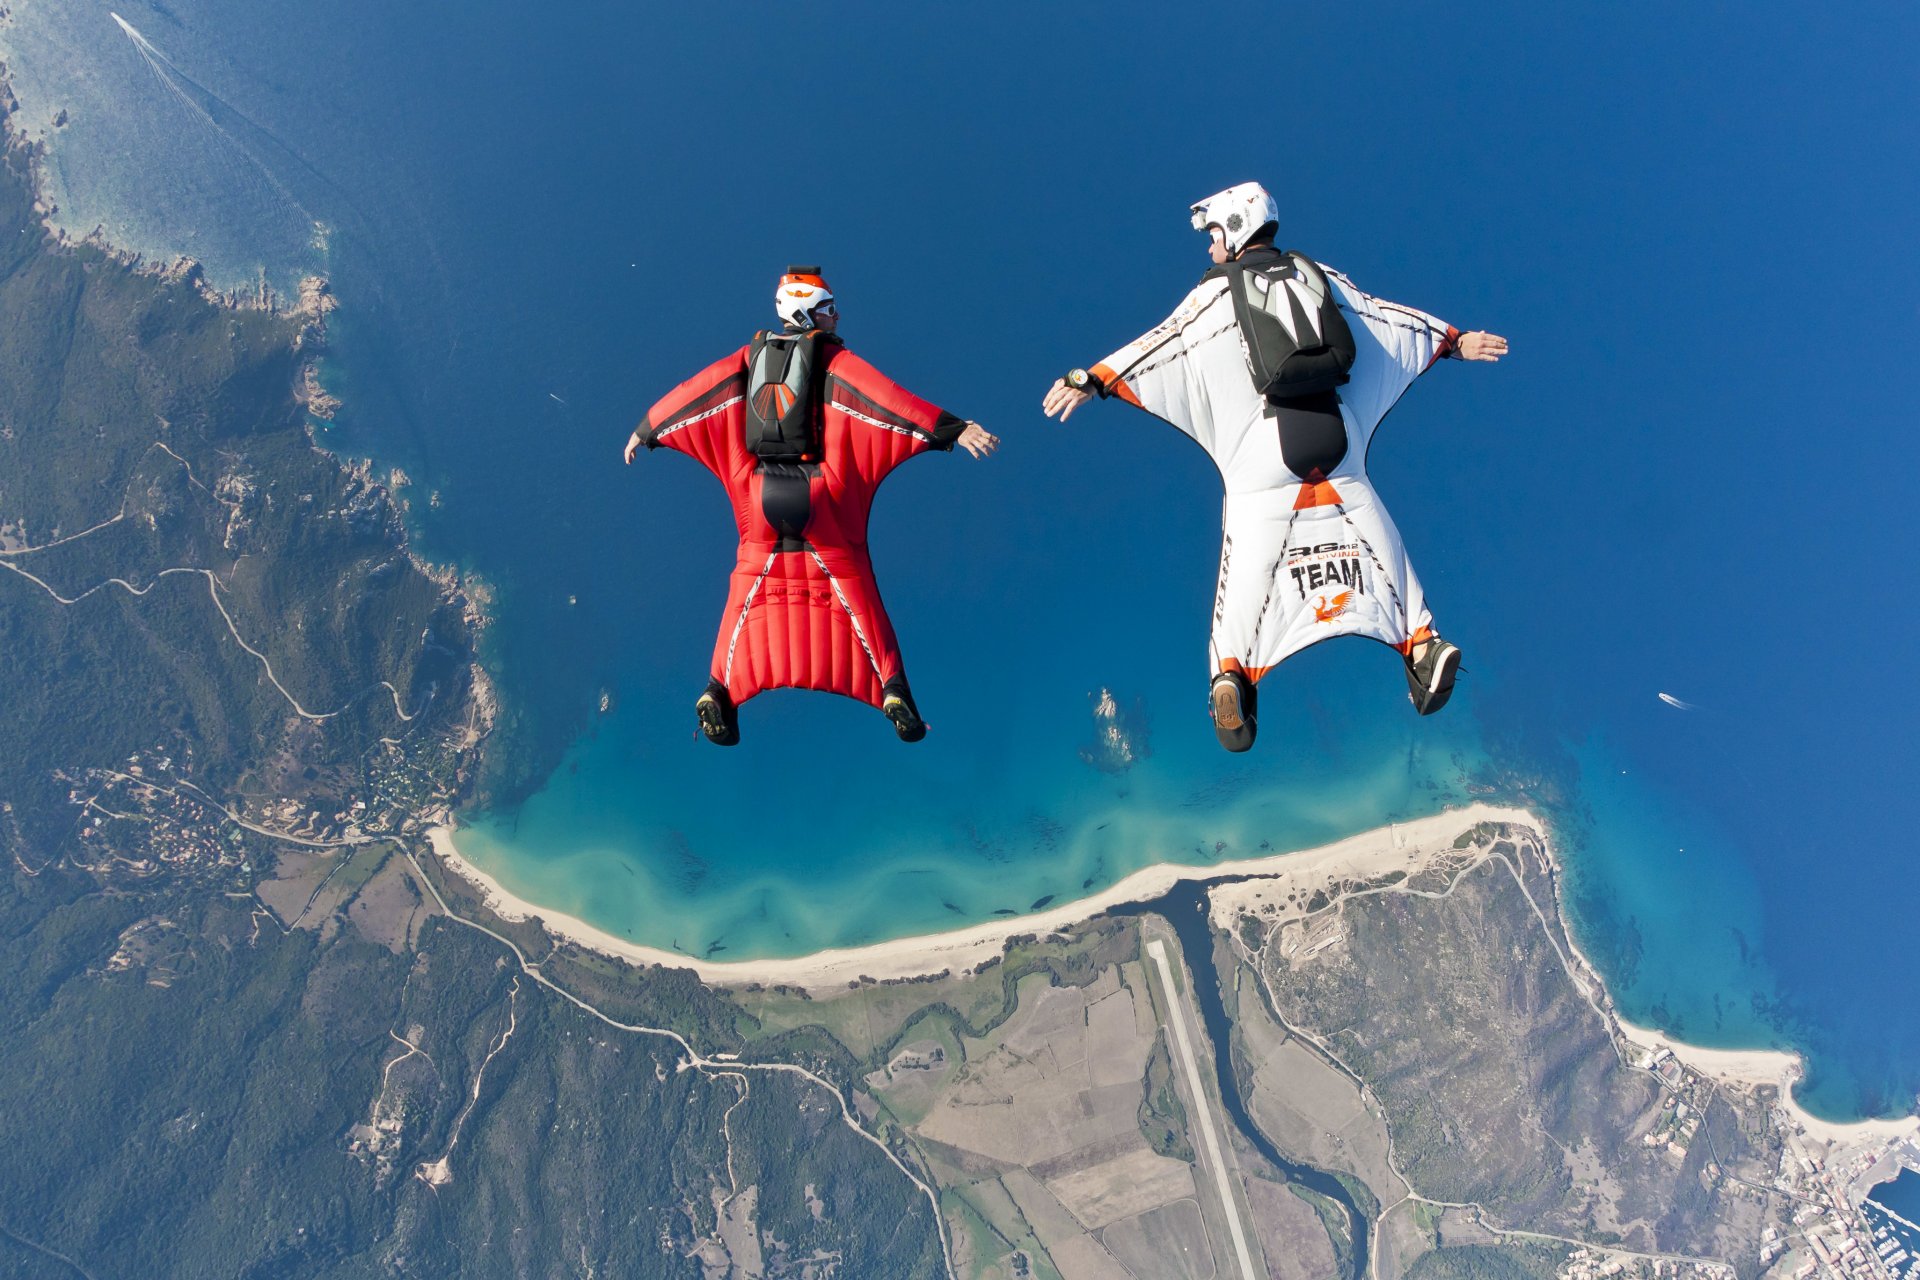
[1325, 610]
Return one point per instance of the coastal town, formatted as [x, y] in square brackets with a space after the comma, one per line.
[147, 816]
[1836, 1234]
[1831, 1229]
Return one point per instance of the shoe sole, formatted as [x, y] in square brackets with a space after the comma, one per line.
[713, 723]
[906, 722]
[1440, 686]
[1226, 706]
[1231, 723]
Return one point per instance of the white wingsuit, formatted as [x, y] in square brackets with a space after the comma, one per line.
[1303, 558]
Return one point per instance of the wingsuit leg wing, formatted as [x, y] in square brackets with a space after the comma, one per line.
[805, 619]
[1291, 578]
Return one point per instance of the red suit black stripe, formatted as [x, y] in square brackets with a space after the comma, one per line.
[804, 610]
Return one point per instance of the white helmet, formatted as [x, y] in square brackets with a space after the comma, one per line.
[1239, 212]
[801, 290]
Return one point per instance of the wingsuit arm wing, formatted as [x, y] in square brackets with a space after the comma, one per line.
[1157, 371]
[887, 424]
[1397, 344]
[702, 416]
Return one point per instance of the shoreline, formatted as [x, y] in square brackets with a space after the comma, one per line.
[312, 303]
[1782, 1068]
[1367, 855]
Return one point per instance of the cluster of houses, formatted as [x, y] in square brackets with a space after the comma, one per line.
[1831, 1235]
[1828, 1233]
[1600, 1264]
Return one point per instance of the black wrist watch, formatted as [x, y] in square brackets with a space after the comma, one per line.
[1081, 380]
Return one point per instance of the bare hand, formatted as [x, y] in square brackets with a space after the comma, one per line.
[1480, 345]
[977, 440]
[633, 446]
[1063, 400]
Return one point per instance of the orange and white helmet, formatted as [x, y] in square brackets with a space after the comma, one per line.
[1238, 212]
[801, 290]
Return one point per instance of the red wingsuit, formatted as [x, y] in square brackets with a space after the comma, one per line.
[804, 610]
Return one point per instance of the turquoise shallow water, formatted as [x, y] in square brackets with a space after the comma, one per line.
[1666, 896]
[536, 226]
[919, 841]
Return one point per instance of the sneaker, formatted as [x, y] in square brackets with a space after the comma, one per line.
[1430, 680]
[1234, 721]
[897, 706]
[718, 719]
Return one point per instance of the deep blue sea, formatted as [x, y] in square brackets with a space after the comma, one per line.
[1689, 478]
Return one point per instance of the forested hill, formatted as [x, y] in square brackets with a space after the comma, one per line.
[237, 1036]
[190, 578]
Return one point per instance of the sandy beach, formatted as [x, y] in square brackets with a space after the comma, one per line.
[1398, 847]
[1371, 853]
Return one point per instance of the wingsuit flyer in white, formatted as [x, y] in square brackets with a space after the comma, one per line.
[1302, 558]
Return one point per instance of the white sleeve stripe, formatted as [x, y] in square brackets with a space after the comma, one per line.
[852, 412]
[722, 407]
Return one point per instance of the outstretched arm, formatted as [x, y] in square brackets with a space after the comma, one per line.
[885, 424]
[1397, 344]
[1153, 371]
[700, 417]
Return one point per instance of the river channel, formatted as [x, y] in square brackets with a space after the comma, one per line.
[1185, 908]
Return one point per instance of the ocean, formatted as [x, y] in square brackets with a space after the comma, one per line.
[536, 226]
